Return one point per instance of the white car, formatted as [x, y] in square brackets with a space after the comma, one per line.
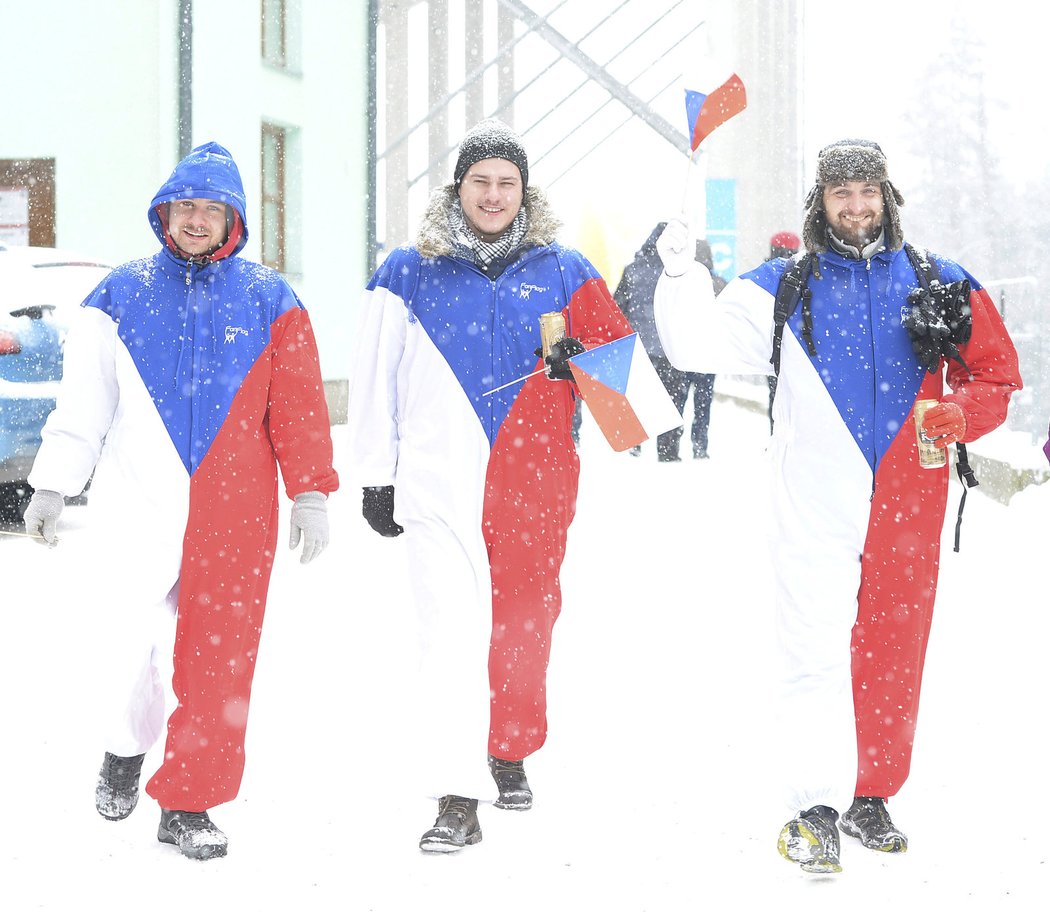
[40, 288]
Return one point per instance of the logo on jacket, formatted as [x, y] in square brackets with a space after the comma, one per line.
[233, 331]
[525, 289]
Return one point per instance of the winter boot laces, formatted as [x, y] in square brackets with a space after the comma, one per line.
[869, 821]
[514, 791]
[193, 832]
[811, 841]
[117, 791]
[456, 826]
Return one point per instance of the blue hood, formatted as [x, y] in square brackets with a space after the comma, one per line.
[208, 172]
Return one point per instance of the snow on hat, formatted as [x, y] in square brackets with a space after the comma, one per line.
[491, 139]
[784, 243]
[851, 160]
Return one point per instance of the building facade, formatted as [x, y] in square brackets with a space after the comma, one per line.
[112, 93]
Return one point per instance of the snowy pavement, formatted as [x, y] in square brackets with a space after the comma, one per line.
[657, 789]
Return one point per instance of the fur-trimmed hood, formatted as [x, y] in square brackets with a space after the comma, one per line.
[435, 231]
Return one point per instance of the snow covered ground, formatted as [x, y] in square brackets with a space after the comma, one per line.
[657, 789]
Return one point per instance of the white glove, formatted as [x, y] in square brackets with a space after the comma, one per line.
[675, 248]
[41, 516]
[310, 522]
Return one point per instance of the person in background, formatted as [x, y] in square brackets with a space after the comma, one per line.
[782, 244]
[189, 377]
[856, 519]
[634, 294]
[463, 444]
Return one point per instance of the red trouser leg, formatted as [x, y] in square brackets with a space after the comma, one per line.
[526, 521]
[898, 586]
[222, 599]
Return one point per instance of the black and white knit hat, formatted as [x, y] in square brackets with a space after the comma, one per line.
[491, 139]
[851, 160]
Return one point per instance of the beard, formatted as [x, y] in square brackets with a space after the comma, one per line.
[856, 234]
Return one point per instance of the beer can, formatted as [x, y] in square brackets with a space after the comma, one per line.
[552, 329]
[930, 456]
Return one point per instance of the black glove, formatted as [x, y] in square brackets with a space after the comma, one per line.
[557, 360]
[377, 507]
[938, 320]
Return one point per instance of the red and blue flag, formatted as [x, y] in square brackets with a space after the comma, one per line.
[708, 112]
[624, 393]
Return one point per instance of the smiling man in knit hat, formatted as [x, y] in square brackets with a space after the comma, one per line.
[462, 442]
[857, 519]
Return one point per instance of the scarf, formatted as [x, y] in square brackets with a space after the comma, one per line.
[481, 251]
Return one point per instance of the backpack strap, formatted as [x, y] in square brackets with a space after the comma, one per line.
[925, 271]
[968, 479]
[792, 289]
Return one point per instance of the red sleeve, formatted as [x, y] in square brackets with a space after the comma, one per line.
[594, 316]
[300, 428]
[992, 359]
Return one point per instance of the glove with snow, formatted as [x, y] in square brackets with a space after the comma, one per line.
[938, 320]
[377, 507]
[557, 360]
[944, 423]
[41, 516]
[310, 523]
[674, 248]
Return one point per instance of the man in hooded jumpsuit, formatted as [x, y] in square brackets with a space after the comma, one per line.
[482, 459]
[855, 537]
[189, 376]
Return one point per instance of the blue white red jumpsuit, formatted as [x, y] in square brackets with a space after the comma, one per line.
[485, 484]
[185, 386]
[856, 522]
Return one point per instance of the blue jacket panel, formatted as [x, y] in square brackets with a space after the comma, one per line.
[864, 355]
[487, 329]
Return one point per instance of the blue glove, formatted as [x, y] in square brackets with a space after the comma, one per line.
[41, 516]
[310, 522]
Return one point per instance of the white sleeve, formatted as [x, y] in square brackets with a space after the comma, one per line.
[730, 334]
[372, 417]
[87, 400]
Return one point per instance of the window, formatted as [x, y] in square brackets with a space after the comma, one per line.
[281, 197]
[27, 201]
[274, 165]
[280, 33]
[275, 32]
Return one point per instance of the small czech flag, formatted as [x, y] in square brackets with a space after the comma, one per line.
[624, 393]
[708, 112]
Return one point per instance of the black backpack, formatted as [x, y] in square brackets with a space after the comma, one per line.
[793, 288]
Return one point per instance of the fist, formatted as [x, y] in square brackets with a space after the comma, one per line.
[944, 423]
[674, 248]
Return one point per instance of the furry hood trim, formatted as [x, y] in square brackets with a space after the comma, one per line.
[435, 232]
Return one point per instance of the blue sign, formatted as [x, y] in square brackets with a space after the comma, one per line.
[721, 225]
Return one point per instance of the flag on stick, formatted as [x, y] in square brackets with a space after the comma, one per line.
[623, 392]
[708, 112]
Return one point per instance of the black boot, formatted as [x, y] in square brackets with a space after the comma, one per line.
[456, 826]
[117, 791]
[811, 841]
[514, 791]
[194, 834]
[869, 821]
